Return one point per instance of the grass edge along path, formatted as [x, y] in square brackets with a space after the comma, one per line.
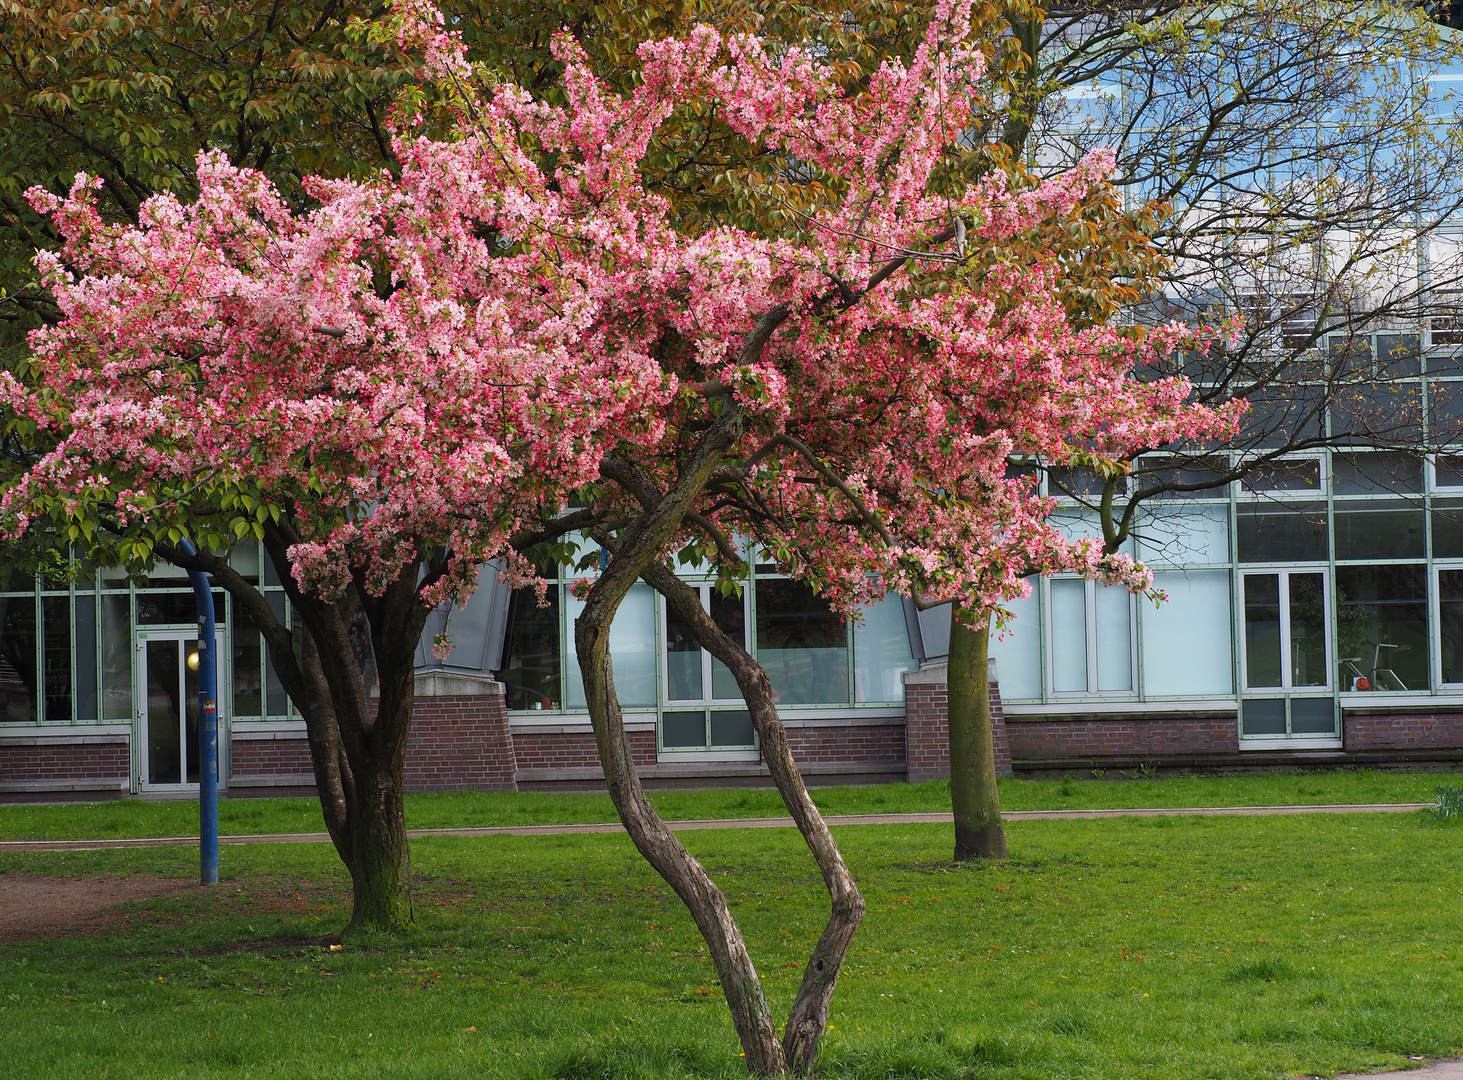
[724, 823]
[139, 817]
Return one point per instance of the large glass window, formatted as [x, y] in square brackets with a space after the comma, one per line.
[1379, 530]
[691, 673]
[1376, 473]
[1186, 640]
[1381, 626]
[1447, 523]
[116, 656]
[86, 655]
[530, 672]
[1092, 637]
[19, 697]
[881, 652]
[56, 624]
[1189, 535]
[632, 649]
[276, 701]
[1450, 624]
[248, 653]
[802, 644]
[1016, 649]
[1275, 532]
[1285, 630]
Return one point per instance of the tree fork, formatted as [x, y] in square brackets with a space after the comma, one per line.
[641, 544]
[808, 1017]
[357, 743]
[973, 793]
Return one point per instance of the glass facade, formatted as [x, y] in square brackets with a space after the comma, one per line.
[1287, 600]
[815, 658]
[69, 653]
[1290, 598]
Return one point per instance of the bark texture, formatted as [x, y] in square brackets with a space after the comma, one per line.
[974, 797]
[640, 544]
[357, 716]
[808, 1018]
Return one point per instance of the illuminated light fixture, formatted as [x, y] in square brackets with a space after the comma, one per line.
[193, 661]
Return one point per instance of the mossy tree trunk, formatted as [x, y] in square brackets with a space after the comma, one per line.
[348, 665]
[974, 797]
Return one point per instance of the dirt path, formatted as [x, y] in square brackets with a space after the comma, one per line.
[722, 823]
[35, 905]
[1438, 1070]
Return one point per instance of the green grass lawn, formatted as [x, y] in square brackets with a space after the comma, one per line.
[1176, 948]
[135, 818]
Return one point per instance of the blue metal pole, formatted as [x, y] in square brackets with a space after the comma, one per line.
[207, 723]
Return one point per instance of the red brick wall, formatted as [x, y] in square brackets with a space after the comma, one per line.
[1380, 731]
[271, 757]
[455, 742]
[876, 741]
[460, 742]
[927, 731]
[573, 749]
[1123, 736]
[66, 761]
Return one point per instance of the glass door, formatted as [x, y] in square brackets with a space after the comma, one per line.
[1287, 651]
[1285, 630]
[167, 708]
[696, 682]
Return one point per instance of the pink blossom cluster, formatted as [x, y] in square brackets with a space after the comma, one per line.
[438, 359]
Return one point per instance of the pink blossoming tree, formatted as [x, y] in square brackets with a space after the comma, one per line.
[360, 388]
[411, 379]
[846, 393]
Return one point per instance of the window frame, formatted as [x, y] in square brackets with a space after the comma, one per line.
[707, 699]
[1287, 685]
[1090, 587]
[1245, 493]
[1435, 624]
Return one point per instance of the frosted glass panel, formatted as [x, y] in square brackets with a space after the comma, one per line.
[1018, 655]
[1084, 527]
[1186, 641]
[632, 649]
[881, 652]
[1114, 639]
[1195, 535]
[934, 628]
[1069, 636]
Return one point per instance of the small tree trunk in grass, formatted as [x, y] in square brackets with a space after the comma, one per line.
[380, 862]
[808, 1018]
[974, 796]
[357, 741]
[638, 546]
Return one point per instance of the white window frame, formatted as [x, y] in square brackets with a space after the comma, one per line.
[1323, 470]
[1287, 674]
[1435, 621]
[1090, 635]
[1432, 476]
[703, 589]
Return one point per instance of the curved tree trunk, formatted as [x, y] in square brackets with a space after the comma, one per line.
[640, 544]
[808, 1018]
[654, 840]
[974, 796]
